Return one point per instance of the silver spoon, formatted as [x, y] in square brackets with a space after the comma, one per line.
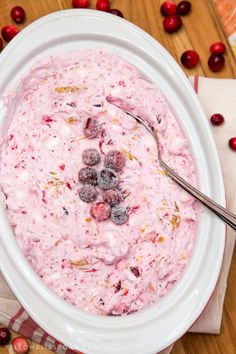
[225, 215]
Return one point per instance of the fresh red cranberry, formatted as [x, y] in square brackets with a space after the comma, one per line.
[172, 23]
[9, 32]
[112, 197]
[217, 119]
[217, 47]
[183, 8]
[92, 128]
[116, 12]
[232, 143]
[80, 3]
[20, 345]
[90, 157]
[216, 62]
[88, 193]
[189, 59]
[18, 14]
[5, 335]
[119, 215]
[100, 211]
[107, 179]
[88, 175]
[115, 160]
[103, 5]
[1, 44]
[168, 8]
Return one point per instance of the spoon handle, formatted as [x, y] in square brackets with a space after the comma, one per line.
[225, 215]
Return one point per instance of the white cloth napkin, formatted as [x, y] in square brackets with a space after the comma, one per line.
[216, 96]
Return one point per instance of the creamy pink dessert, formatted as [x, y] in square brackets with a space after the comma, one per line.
[114, 266]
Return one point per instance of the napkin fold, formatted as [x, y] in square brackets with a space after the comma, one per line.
[216, 96]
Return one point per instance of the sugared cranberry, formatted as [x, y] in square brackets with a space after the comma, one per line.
[216, 62]
[18, 14]
[172, 23]
[119, 215]
[103, 5]
[1, 44]
[183, 8]
[168, 8]
[88, 193]
[217, 47]
[92, 128]
[217, 119]
[107, 179]
[90, 157]
[189, 59]
[88, 175]
[80, 4]
[20, 345]
[116, 12]
[9, 32]
[232, 143]
[100, 211]
[135, 271]
[115, 160]
[5, 335]
[112, 197]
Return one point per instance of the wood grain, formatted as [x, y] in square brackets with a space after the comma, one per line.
[201, 28]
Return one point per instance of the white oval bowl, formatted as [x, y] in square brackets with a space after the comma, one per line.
[158, 326]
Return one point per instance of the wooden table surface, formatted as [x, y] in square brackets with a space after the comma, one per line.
[201, 28]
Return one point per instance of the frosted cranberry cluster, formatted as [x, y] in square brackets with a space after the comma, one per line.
[106, 179]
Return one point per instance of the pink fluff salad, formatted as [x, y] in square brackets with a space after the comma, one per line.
[99, 267]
